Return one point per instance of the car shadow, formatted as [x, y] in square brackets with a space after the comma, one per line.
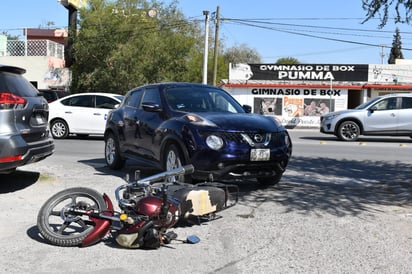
[338, 187]
[17, 180]
[99, 164]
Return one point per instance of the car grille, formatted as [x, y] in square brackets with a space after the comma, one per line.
[270, 138]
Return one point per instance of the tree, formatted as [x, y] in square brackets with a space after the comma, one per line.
[287, 61]
[118, 47]
[242, 54]
[396, 52]
[9, 36]
[403, 10]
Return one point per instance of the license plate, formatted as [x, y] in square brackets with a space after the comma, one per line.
[260, 154]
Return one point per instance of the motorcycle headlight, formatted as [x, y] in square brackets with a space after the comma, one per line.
[214, 142]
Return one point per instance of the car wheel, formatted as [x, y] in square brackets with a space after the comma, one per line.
[348, 131]
[112, 152]
[270, 181]
[59, 129]
[173, 159]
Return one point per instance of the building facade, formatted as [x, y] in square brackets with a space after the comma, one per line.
[41, 53]
[298, 95]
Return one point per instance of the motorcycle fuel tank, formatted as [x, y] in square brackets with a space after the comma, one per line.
[151, 206]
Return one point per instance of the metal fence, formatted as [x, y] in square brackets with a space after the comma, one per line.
[32, 48]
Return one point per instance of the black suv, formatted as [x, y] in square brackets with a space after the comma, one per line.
[52, 95]
[173, 124]
[24, 134]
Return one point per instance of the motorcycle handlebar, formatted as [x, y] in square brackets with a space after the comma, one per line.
[183, 170]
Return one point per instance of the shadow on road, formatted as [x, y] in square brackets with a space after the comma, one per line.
[17, 180]
[338, 187]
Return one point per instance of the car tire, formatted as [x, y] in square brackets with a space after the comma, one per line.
[173, 159]
[270, 181]
[59, 129]
[112, 152]
[348, 131]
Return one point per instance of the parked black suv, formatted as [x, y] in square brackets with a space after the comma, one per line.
[172, 124]
[52, 95]
[24, 134]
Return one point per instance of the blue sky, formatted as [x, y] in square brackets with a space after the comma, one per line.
[313, 31]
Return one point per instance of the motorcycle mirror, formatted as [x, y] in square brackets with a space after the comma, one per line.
[193, 239]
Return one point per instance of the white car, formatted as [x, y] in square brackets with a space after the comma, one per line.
[389, 115]
[82, 114]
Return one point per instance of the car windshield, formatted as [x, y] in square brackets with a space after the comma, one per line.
[368, 104]
[195, 99]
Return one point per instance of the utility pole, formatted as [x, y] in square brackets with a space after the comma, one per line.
[205, 56]
[216, 49]
[382, 54]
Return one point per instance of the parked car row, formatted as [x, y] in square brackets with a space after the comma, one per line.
[173, 124]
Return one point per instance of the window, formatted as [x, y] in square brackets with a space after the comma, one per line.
[17, 85]
[152, 96]
[406, 102]
[133, 100]
[386, 104]
[105, 102]
[79, 101]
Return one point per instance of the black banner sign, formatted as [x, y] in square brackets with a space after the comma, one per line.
[309, 72]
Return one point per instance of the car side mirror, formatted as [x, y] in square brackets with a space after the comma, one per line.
[247, 108]
[372, 109]
[151, 107]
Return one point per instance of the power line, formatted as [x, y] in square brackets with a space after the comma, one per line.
[296, 32]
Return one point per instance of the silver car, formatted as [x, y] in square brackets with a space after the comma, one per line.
[24, 133]
[389, 115]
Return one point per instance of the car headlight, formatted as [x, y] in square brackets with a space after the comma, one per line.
[214, 142]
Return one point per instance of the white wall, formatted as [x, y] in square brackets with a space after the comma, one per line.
[46, 71]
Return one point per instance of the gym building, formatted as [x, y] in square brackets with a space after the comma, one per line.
[299, 94]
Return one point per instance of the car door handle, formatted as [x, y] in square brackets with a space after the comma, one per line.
[68, 112]
[393, 114]
[97, 114]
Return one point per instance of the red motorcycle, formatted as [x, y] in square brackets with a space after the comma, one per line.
[82, 216]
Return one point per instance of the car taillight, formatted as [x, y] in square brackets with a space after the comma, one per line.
[9, 100]
[11, 158]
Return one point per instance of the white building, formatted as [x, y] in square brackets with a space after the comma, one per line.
[298, 94]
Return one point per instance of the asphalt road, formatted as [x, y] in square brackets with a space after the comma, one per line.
[340, 208]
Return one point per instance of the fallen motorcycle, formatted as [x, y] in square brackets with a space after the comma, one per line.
[148, 208]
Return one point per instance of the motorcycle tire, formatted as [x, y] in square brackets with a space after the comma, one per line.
[62, 228]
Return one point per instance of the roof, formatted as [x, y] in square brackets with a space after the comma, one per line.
[12, 69]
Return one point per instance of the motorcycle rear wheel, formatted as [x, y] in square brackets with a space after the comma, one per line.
[61, 227]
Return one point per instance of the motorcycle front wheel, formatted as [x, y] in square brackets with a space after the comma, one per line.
[59, 220]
